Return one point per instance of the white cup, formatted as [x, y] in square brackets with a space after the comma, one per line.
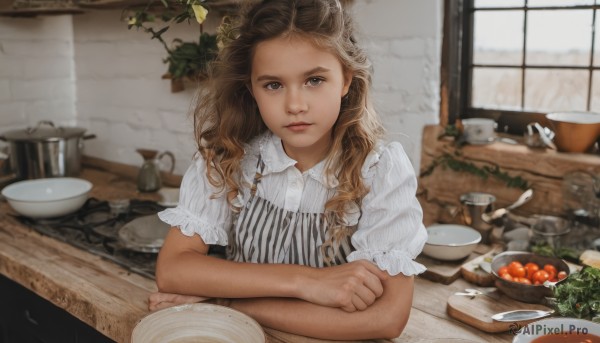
[479, 130]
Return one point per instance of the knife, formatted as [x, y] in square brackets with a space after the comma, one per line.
[521, 315]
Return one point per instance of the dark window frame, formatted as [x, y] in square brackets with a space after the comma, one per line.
[456, 73]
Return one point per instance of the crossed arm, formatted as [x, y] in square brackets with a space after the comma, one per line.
[352, 301]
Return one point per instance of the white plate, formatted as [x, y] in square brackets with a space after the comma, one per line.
[144, 234]
[543, 327]
[197, 323]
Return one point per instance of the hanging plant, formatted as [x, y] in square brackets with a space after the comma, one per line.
[186, 60]
[456, 163]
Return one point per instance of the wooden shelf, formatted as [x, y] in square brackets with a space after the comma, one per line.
[221, 6]
[543, 168]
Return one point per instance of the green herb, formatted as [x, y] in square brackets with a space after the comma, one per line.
[450, 130]
[455, 163]
[190, 59]
[579, 295]
[564, 253]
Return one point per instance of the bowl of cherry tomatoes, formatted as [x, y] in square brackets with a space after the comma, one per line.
[521, 275]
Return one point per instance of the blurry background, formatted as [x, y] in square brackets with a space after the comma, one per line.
[89, 70]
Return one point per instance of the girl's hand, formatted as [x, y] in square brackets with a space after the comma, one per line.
[158, 300]
[351, 286]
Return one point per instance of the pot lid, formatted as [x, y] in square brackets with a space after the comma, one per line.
[43, 131]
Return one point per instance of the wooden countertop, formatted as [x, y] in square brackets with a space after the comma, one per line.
[113, 300]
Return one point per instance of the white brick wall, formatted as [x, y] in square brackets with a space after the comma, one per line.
[119, 95]
[37, 79]
[403, 38]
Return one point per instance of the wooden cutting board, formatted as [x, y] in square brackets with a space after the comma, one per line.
[472, 272]
[446, 272]
[477, 311]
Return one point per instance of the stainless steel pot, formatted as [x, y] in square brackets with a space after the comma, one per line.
[45, 150]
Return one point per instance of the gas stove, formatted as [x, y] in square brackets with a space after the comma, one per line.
[94, 228]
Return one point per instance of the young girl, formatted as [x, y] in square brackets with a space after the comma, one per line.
[319, 217]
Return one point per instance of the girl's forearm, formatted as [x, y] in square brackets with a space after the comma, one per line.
[184, 268]
[197, 274]
[386, 318]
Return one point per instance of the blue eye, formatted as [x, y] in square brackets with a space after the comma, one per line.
[273, 85]
[314, 81]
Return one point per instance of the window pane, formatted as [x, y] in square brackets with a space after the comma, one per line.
[558, 3]
[493, 46]
[496, 88]
[597, 41]
[595, 103]
[559, 37]
[499, 3]
[549, 90]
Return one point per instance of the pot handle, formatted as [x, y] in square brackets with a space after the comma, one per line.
[545, 136]
[90, 136]
[40, 123]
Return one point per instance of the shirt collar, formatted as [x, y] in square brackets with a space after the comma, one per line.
[276, 161]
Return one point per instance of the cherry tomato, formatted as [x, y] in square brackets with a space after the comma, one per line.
[502, 270]
[562, 275]
[515, 263]
[518, 272]
[514, 268]
[525, 281]
[541, 276]
[507, 277]
[531, 269]
[551, 270]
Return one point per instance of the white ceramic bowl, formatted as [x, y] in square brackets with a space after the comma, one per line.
[450, 242]
[543, 327]
[198, 323]
[47, 198]
[169, 197]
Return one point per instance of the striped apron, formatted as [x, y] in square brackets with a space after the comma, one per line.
[265, 233]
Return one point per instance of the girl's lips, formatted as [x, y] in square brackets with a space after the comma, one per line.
[296, 127]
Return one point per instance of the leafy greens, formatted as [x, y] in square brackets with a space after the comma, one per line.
[579, 295]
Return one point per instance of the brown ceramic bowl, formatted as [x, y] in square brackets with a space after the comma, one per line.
[534, 294]
[575, 131]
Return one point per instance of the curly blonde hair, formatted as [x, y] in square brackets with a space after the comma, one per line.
[226, 116]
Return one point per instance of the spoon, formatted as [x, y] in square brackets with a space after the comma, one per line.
[499, 213]
[525, 197]
[521, 315]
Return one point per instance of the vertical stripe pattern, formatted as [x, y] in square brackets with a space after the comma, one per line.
[266, 233]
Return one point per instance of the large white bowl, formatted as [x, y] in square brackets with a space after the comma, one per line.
[543, 327]
[47, 198]
[450, 242]
[197, 323]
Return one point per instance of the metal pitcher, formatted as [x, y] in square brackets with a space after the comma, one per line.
[475, 204]
[149, 179]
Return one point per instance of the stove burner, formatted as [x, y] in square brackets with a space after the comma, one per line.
[94, 228]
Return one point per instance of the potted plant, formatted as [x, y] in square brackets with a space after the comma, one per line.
[187, 61]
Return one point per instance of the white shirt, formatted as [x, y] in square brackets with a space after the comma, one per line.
[390, 232]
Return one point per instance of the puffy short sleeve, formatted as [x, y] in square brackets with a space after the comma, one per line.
[198, 211]
[390, 231]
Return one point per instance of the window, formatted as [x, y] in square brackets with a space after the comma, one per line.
[516, 60]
